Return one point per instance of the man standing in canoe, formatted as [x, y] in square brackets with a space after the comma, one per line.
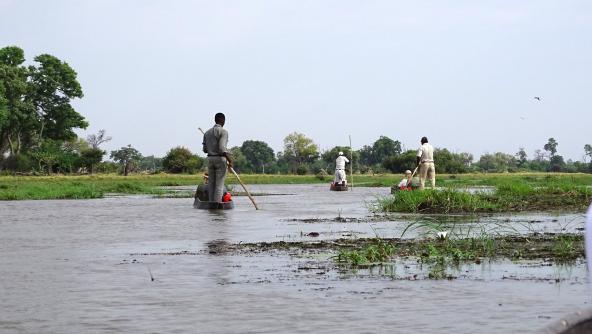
[214, 145]
[340, 162]
[425, 162]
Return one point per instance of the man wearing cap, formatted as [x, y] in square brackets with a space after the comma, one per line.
[340, 169]
[425, 162]
[214, 145]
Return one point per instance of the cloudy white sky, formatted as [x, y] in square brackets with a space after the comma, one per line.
[463, 73]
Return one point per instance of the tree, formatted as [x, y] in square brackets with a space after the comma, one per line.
[448, 162]
[35, 101]
[551, 147]
[328, 157]
[96, 140]
[257, 153]
[91, 157]
[47, 155]
[181, 160]
[151, 163]
[588, 150]
[522, 157]
[401, 162]
[556, 164]
[299, 150]
[127, 157]
[498, 162]
[383, 148]
[239, 161]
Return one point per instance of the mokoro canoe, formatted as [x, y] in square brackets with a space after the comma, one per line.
[201, 200]
[579, 322]
[213, 205]
[338, 187]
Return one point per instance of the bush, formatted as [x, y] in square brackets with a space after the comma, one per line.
[302, 170]
[181, 160]
[322, 175]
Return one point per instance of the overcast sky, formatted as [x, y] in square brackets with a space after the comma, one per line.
[462, 73]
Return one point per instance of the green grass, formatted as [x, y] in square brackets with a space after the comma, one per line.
[507, 198]
[372, 254]
[95, 186]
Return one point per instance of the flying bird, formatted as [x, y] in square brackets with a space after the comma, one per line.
[537, 98]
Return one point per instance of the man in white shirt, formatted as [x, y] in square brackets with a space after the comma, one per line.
[425, 162]
[340, 169]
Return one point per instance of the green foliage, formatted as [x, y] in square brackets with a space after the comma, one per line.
[564, 247]
[127, 157]
[551, 146]
[376, 253]
[508, 197]
[181, 160]
[91, 157]
[401, 162]
[35, 104]
[299, 150]
[258, 154]
[497, 162]
[239, 161]
[448, 162]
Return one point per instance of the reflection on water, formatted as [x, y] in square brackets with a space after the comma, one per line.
[67, 266]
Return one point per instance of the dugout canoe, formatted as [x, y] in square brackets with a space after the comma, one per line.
[204, 205]
[579, 322]
[201, 200]
[338, 187]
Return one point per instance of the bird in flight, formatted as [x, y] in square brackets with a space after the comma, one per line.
[537, 98]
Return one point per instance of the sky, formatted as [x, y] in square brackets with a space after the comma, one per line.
[462, 73]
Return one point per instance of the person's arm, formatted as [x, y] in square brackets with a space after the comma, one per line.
[418, 158]
[346, 160]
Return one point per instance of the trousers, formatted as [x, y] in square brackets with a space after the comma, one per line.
[427, 170]
[217, 169]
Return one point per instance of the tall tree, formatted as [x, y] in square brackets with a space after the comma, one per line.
[522, 157]
[551, 147]
[35, 101]
[588, 150]
[299, 149]
[96, 140]
[258, 154]
[127, 157]
[383, 148]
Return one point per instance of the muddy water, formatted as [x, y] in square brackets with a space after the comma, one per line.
[76, 266]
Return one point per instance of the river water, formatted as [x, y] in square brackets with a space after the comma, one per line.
[105, 266]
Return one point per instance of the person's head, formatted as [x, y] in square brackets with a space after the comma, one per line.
[220, 118]
[407, 173]
[340, 153]
[424, 140]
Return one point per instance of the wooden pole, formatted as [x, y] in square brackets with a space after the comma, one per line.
[239, 180]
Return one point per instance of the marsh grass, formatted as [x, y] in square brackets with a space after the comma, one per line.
[378, 252]
[508, 197]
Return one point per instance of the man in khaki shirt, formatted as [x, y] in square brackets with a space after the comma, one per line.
[214, 145]
[425, 162]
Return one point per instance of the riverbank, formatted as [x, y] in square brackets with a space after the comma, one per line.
[96, 186]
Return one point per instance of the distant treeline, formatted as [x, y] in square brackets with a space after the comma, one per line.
[37, 135]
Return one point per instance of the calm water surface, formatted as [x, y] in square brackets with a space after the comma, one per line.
[71, 267]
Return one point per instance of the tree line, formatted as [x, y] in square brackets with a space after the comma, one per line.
[37, 123]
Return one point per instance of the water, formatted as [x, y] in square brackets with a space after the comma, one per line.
[75, 267]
